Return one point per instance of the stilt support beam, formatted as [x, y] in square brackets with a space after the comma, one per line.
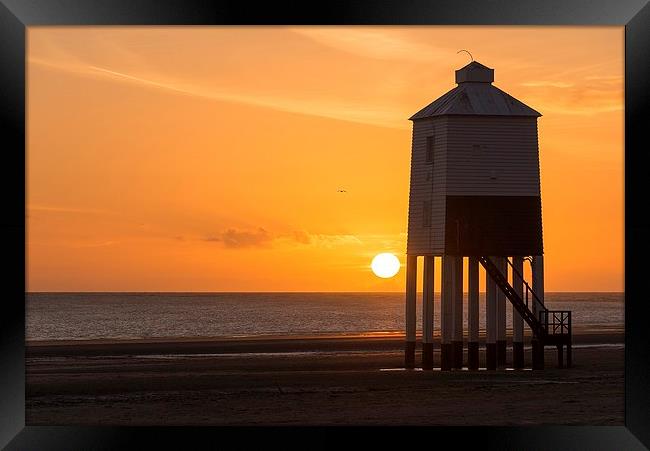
[427, 314]
[538, 354]
[472, 313]
[518, 354]
[446, 319]
[501, 315]
[457, 340]
[491, 323]
[411, 287]
[517, 320]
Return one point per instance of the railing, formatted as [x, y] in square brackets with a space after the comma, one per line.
[538, 305]
[556, 322]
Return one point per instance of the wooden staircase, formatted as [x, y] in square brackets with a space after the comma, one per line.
[549, 327]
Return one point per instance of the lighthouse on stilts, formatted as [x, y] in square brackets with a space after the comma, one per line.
[475, 202]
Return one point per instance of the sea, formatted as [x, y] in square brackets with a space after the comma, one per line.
[124, 316]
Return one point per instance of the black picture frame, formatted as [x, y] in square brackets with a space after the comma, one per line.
[16, 15]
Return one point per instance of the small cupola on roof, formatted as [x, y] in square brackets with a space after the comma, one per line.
[475, 73]
[475, 95]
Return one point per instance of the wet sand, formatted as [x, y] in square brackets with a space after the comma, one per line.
[316, 380]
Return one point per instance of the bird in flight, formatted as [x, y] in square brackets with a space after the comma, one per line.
[341, 191]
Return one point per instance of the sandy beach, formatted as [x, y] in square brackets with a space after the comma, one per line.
[312, 380]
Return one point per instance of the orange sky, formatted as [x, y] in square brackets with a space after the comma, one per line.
[209, 158]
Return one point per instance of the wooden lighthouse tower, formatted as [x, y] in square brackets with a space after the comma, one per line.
[475, 194]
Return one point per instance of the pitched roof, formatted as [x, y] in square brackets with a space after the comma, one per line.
[475, 95]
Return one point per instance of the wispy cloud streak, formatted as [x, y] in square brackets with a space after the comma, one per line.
[374, 43]
[546, 83]
[352, 112]
[57, 209]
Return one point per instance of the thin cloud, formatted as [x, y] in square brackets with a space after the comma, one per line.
[238, 239]
[345, 111]
[57, 209]
[329, 241]
[262, 238]
[302, 237]
[546, 83]
[322, 240]
[373, 43]
[606, 78]
[581, 111]
[99, 244]
[588, 96]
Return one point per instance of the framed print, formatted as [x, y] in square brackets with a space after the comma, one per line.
[365, 214]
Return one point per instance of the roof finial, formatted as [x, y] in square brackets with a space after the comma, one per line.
[463, 50]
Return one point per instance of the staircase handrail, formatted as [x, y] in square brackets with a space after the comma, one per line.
[539, 307]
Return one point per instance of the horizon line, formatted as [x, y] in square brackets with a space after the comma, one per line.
[284, 292]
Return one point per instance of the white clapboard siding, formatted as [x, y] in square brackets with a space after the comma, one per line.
[427, 185]
[505, 163]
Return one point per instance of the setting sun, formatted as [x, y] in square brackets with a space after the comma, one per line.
[385, 265]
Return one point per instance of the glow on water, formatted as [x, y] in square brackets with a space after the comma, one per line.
[79, 316]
